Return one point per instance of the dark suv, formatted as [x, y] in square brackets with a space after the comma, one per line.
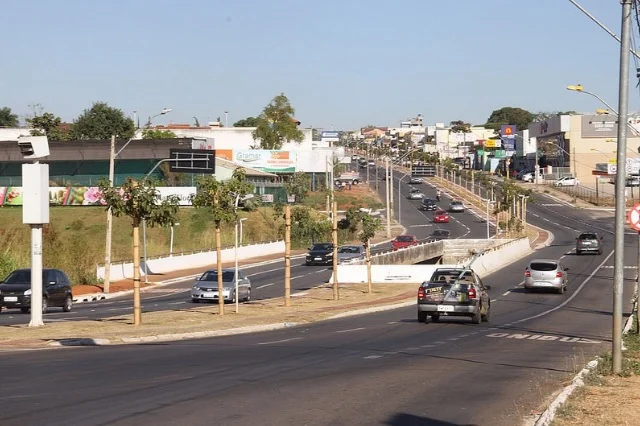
[589, 242]
[320, 254]
[15, 290]
[428, 205]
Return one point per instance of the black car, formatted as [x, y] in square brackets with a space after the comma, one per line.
[439, 234]
[320, 254]
[428, 205]
[15, 290]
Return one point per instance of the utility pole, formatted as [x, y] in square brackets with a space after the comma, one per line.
[334, 235]
[575, 168]
[107, 256]
[391, 188]
[620, 203]
[386, 178]
[287, 255]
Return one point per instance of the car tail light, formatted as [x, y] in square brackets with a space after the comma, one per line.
[421, 293]
[558, 274]
[527, 273]
[472, 292]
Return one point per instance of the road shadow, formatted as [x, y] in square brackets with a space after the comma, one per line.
[406, 419]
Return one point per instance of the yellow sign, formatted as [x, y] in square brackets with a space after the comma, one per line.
[612, 161]
[492, 143]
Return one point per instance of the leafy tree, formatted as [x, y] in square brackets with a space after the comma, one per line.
[140, 202]
[8, 118]
[307, 228]
[298, 185]
[369, 225]
[48, 124]
[158, 134]
[276, 124]
[459, 126]
[101, 121]
[351, 221]
[221, 199]
[247, 122]
[509, 115]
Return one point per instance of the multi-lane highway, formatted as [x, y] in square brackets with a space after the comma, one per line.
[267, 280]
[383, 368]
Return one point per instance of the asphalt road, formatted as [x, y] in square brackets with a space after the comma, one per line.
[267, 280]
[383, 368]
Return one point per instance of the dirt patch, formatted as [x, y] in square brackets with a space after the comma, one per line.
[312, 305]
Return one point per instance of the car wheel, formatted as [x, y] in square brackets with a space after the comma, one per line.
[194, 300]
[248, 298]
[560, 290]
[477, 317]
[68, 304]
[600, 252]
[435, 318]
[45, 305]
[24, 310]
[487, 315]
[578, 252]
[422, 316]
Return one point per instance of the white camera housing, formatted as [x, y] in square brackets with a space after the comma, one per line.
[33, 147]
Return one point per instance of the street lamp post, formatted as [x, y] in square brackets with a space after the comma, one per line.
[112, 158]
[171, 239]
[241, 233]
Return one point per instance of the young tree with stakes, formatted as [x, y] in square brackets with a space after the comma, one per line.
[369, 227]
[221, 198]
[139, 201]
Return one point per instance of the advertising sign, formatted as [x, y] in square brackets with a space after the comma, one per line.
[508, 136]
[492, 143]
[632, 166]
[330, 136]
[267, 160]
[267, 198]
[599, 126]
[84, 195]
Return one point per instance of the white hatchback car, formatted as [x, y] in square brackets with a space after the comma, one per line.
[567, 181]
[546, 274]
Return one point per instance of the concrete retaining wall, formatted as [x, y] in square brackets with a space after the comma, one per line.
[161, 265]
[496, 258]
[385, 274]
[408, 256]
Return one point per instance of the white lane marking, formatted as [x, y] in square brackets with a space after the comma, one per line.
[506, 292]
[494, 300]
[176, 303]
[543, 338]
[439, 342]
[116, 309]
[625, 267]
[392, 322]
[350, 330]
[453, 339]
[263, 286]
[372, 357]
[569, 299]
[411, 349]
[280, 341]
[428, 346]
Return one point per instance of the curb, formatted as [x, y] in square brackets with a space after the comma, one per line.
[547, 417]
[373, 310]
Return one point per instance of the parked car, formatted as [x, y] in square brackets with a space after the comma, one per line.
[415, 181]
[349, 253]
[320, 254]
[415, 194]
[428, 204]
[15, 290]
[404, 241]
[523, 172]
[632, 181]
[589, 242]
[454, 292]
[441, 216]
[547, 274]
[372, 162]
[439, 234]
[566, 181]
[456, 206]
[206, 286]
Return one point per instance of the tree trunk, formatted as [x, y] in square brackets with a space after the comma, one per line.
[137, 309]
[219, 265]
[368, 254]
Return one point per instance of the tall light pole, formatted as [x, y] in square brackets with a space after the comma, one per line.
[386, 178]
[241, 232]
[112, 158]
[226, 119]
[171, 239]
[618, 262]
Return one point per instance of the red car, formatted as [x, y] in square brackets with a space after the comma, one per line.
[404, 241]
[441, 216]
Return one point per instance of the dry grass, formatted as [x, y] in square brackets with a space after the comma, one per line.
[314, 305]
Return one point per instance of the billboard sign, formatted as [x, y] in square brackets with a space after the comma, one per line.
[184, 193]
[599, 126]
[330, 136]
[493, 143]
[85, 195]
[508, 136]
[267, 160]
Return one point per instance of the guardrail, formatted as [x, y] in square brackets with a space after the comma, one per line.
[166, 264]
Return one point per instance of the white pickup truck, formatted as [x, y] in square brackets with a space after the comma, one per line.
[348, 178]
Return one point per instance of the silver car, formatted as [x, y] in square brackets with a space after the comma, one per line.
[349, 253]
[206, 286]
[546, 274]
[415, 194]
[415, 181]
[456, 207]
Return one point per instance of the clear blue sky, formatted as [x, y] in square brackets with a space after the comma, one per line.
[342, 63]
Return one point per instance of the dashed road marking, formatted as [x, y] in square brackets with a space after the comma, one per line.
[543, 337]
[372, 357]
[280, 341]
[350, 330]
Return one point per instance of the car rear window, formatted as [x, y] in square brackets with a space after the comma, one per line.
[321, 247]
[404, 239]
[440, 233]
[588, 237]
[348, 249]
[543, 266]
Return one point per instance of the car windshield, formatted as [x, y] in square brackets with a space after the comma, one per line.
[404, 238]
[543, 266]
[321, 247]
[349, 249]
[415, 191]
[441, 212]
[22, 276]
[440, 233]
[456, 203]
[588, 237]
[450, 276]
[428, 201]
[227, 276]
